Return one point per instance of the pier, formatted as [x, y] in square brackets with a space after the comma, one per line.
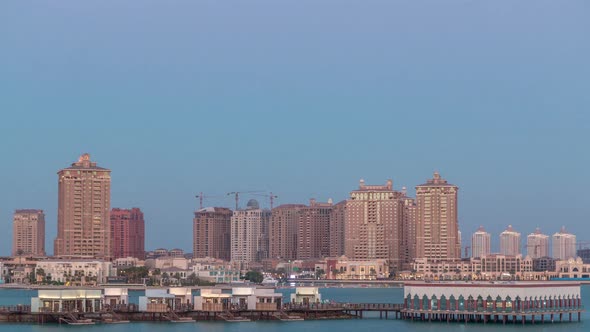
[472, 302]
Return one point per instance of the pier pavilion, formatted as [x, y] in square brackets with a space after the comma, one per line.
[492, 301]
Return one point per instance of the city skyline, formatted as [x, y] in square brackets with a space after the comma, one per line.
[85, 181]
[302, 103]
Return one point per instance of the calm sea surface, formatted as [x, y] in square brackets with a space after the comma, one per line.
[376, 295]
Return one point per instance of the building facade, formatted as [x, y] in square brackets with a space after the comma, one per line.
[373, 227]
[212, 233]
[28, 233]
[437, 232]
[337, 222]
[510, 242]
[564, 245]
[283, 231]
[84, 202]
[409, 223]
[537, 244]
[127, 233]
[249, 233]
[313, 230]
[480, 243]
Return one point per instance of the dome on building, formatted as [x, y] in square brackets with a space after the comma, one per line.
[252, 205]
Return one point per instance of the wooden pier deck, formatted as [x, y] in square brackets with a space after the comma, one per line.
[293, 312]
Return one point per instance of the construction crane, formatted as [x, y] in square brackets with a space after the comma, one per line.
[270, 196]
[237, 195]
[200, 196]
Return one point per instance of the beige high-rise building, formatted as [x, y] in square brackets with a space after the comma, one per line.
[283, 231]
[510, 242]
[480, 243]
[84, 202]
[249, 233]
[408, 240]
[313, 230]
[212, 233]
[537, 244]
[28, 233]
[337, 222]
[564, 245]
[373, 227]
[437, 233]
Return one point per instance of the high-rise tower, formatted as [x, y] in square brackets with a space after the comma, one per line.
[564, 245]
[437, 234]
[373, 227]
[84, 201]
[537, 244]
[28, 233]
[127, 233]
[510, 242]
[212, 232]
[480, 243]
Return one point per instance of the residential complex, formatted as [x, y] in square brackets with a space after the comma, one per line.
[127, 233]
[84, 201]
[28, 233]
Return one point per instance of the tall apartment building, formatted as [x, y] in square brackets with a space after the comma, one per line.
[313, 230]
[564, 245]
[437, 232]
[373, 228]
[249, 233]
[212, 233]
[127, 233]
[337, 222]
[537, 244]
[510, 242]
[480, 243]
[408, 239]
[84, 202]
[283, 231]
[28, 233]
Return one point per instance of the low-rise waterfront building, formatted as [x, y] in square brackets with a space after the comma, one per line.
[251, 298]
[75, 272]
[306, 295]
[343, 268]
[215, 270]
[157, 300]
[491, 301]
[114, 296]
[572, 268]
[212, 300]
[67, 300]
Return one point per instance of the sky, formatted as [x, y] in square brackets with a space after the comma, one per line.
[302, 98]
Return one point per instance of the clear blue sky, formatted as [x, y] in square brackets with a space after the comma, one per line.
[302, 98]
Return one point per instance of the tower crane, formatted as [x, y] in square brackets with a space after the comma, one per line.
[270, 196]
[237, 195]
[200, 196]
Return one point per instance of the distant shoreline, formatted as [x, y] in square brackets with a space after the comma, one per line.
[298, 282]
